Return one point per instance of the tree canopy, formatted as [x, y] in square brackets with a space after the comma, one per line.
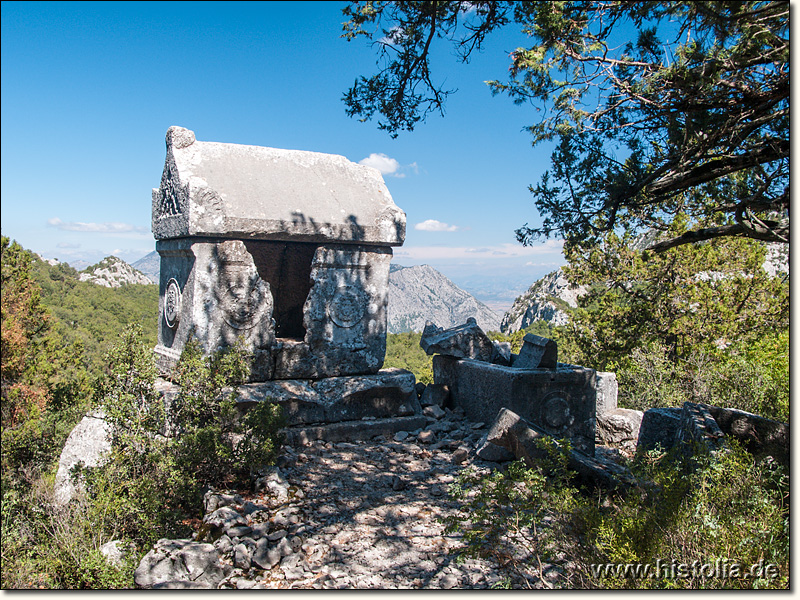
[658, 109]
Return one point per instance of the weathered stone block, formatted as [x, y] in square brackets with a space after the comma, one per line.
[353, 430]
[607, 390]
[463, 341]
[761, 436]
[658, 428]
[559, 401]
[537, 353]
[330, 307]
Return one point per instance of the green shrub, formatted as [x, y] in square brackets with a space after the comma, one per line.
[404, 352]
[163, 458]
[749, 374]
[727, 510]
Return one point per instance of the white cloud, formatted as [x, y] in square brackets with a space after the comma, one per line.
[385, 164]
[95, 227]
[546, 252]
[434, 225]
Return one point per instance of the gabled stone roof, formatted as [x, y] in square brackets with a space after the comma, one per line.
[211, 189]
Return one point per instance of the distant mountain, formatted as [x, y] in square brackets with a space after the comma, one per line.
[420, 293]
[150, 265]
[548, 299]
[113, 272]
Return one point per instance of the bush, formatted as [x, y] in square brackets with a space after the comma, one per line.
[728, 510]
[749, 374]
[163, 458]
[404, 352]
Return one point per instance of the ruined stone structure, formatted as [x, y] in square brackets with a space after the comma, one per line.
[287, 250]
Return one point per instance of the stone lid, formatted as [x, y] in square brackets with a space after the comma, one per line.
[210, 189]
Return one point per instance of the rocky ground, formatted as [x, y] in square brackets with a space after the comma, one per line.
[347, 515]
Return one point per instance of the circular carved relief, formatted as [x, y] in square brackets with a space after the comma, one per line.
[243, 303]
[556, 413]
[347, 307]
[172, 303]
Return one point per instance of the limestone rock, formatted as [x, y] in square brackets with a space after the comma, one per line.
[180, 564]
[463, 341]
[543, 302]
[421, 293]
[88, 443]
[113, 272]
[537, 353]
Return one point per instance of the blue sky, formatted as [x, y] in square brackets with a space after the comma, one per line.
[89, 90]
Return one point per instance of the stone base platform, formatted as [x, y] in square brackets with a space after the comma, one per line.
[347, 431]
[388, 393]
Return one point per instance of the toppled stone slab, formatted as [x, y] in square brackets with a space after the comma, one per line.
[88, 443]
[520, 438]
[180, 564]
[698, 430]
[347, 431]
[463, 341]
[760, 436]
[537, 353]
[559, 401]
[388, 393]
[607, 391]
[619, 427]
[658, 428]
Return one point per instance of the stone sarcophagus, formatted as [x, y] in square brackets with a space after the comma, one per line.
[288, 251]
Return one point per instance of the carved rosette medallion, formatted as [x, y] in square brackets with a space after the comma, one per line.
[347, 307]
[172, 303]
[556, 412]
[244, 303]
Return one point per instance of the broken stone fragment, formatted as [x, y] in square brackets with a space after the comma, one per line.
[434, 395]
[619, 426]
[760, 436]
[607, 391]
[462, 341]
[519, 437]
[501, 353]
[537, 353]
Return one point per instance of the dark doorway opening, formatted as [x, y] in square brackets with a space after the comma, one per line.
[286, 266]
